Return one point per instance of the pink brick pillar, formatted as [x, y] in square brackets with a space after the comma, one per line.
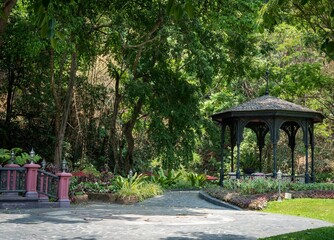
[31, 180]
[63, 188]
[11, 174]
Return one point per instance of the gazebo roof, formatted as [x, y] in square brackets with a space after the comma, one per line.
[268, 106]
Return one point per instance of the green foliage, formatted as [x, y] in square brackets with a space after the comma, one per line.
[90, 169]
[148, 190]
[137, 186]
[150, 74]
[25, 157]
[298, 207]
[165, 178]
[4, 155]
[20, 156]
[129, 183]
[249, 161]
[253, 186]
[325, 177]
[263, 185]
[197, 180]
[302, 13]
[96, 187]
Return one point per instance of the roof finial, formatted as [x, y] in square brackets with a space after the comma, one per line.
[267, 80]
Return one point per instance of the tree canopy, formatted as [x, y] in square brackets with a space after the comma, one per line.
[132, 84]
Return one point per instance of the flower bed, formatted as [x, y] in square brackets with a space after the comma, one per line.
[254, 194]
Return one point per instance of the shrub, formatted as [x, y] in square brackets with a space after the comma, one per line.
[93, 183]
[324, 194]
[148, 190]
[254, 194]
[254, 186]
[136, 186]
[196, 180]
[254, 202]
[165, 179]
[129, 182]
[262, 185]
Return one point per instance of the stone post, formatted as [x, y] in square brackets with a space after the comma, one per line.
[63, 188]
[31, 180]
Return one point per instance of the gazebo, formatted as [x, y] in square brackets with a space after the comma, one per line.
[264, 115]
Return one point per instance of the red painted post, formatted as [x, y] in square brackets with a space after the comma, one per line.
[11, 174]
[63, 187]
[31, 180]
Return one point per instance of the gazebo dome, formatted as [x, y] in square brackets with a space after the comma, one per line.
[268, 105]
[267, 114]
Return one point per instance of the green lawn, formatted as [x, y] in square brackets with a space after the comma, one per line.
[322, 209]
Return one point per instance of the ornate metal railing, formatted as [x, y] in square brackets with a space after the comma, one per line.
[31, 184]
[47, 184]
[285, 177]
[12, 179]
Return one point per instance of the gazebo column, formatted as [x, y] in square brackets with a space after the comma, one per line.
[221, 180]
[233, 143]
[292, 147]
[239, 136]
[260, 152]
[238, 160]
[232, 157]
[307, 177]
[275, 160]
[274, 140]
[312, 152]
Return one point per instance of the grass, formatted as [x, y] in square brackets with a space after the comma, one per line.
[322, 209]
[325, 233]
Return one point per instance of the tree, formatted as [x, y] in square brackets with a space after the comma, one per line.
[6, 9]
[312, 15]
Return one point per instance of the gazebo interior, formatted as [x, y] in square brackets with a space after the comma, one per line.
[265, 115]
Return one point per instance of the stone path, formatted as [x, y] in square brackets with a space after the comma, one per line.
[175, 215]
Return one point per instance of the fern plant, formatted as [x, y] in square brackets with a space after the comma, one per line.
[21, 157]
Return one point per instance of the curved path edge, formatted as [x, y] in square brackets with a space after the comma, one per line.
[216, 201]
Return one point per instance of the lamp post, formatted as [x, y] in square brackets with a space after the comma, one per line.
[43, 164]
[32, 156]
[130, 174]
[12, 157]
[64, 165]
[279, 178]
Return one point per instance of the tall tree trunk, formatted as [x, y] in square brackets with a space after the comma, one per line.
[6, 141]
[6, 9]
[128, 133]
[127, 128]
[60, 132]
[114, 138]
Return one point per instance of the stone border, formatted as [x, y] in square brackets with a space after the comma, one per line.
[217, 202]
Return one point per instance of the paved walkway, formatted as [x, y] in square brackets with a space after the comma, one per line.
[175, 215]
